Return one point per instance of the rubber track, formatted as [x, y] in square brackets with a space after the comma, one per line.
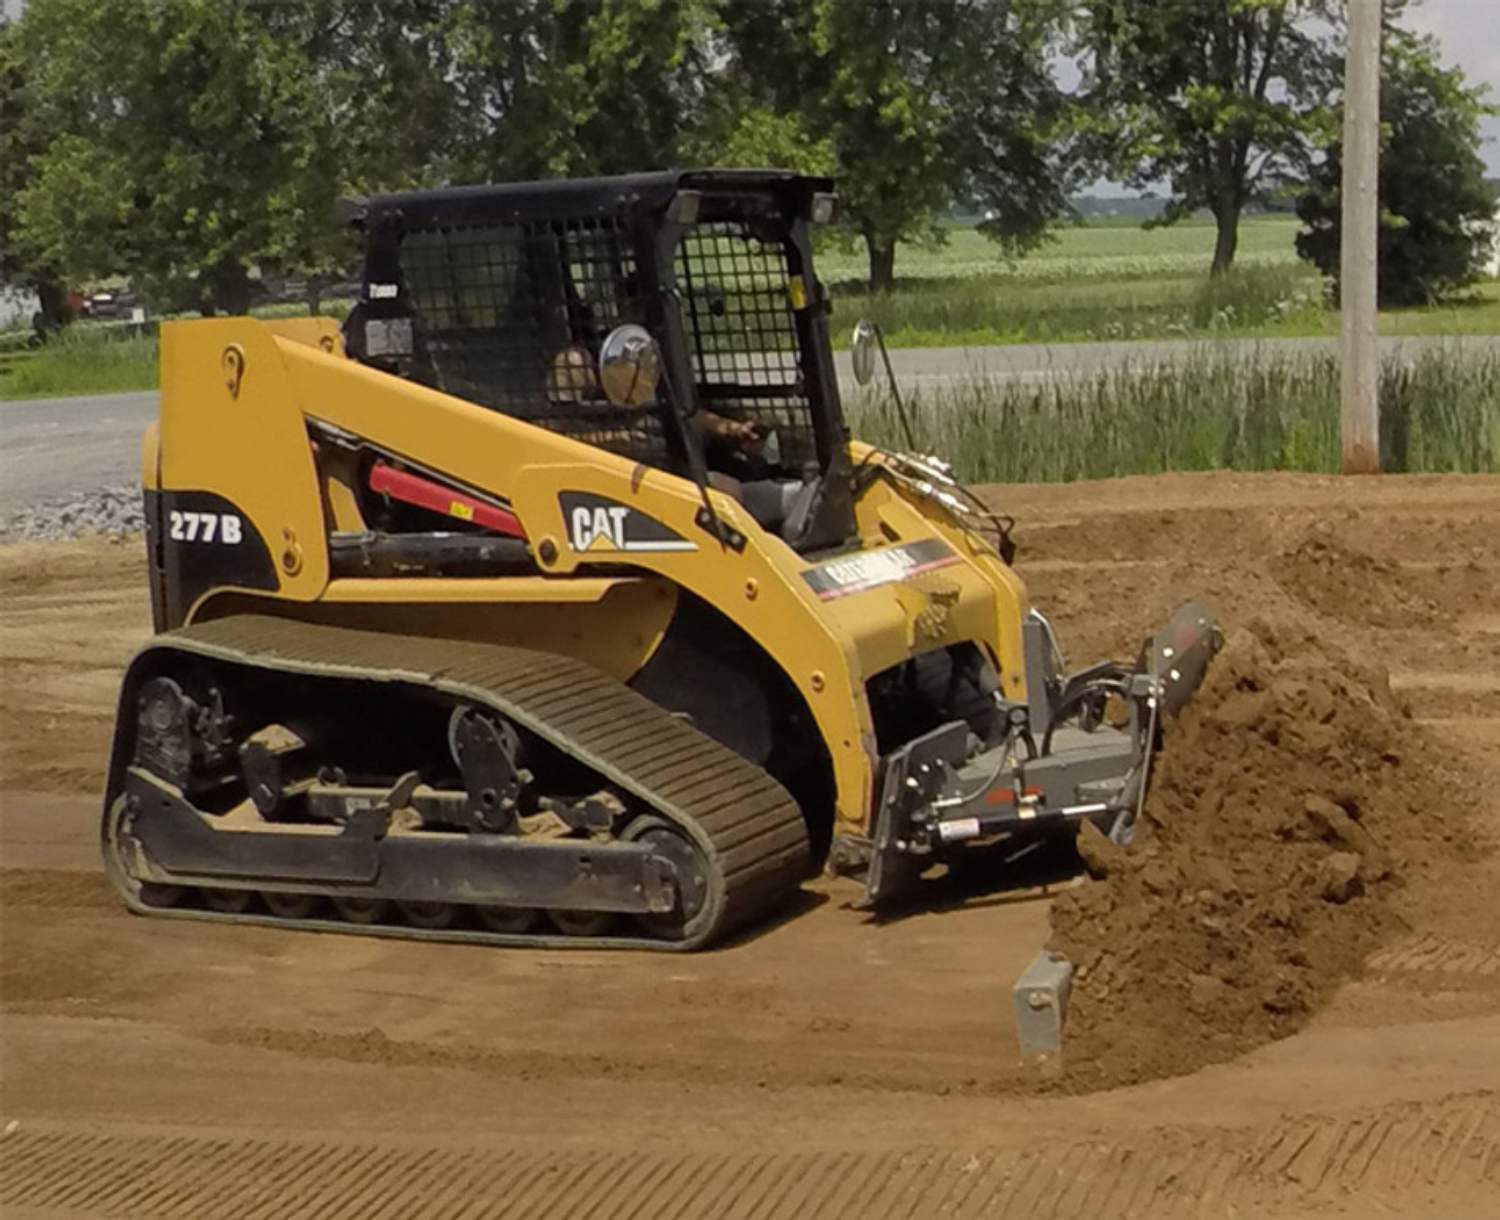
[749, 828]
[1371, 1161]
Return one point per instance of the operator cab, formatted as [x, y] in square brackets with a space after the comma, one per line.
[671, 318]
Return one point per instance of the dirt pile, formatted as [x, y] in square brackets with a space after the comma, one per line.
[1293, 800]
[1354, 587]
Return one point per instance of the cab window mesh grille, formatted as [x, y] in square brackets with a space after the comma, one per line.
[512, 316]
[745, 353]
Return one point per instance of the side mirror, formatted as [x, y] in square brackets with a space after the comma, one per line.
[629, 365]
[863, 344]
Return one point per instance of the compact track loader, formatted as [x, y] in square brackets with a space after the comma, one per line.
[548, 601]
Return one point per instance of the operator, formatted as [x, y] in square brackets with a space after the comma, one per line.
[574, 380]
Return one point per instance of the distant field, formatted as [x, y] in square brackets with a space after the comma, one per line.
[1101, 249]
[1113, 280]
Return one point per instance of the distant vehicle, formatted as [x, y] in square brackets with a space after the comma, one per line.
[121, 304]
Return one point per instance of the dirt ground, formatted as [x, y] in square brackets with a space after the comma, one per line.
[828, 1066]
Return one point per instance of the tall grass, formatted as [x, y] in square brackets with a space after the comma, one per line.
[80, 360]
[1440, 413]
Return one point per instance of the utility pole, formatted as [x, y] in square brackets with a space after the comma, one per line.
[1359, 346]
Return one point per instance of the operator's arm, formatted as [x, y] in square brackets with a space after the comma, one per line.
[743, 434]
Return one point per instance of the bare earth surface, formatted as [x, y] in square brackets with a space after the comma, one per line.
[824, 1066]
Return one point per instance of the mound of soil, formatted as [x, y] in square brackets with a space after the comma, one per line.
[1293, 798]
[1351, 586]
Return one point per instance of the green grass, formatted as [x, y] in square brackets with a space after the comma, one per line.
[1107, 280]
[1113, 280]
[82, 360]
[1100, 249]
[977, 312]
[1441, 413]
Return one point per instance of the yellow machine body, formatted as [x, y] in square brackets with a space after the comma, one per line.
[547, 598]
[238, 397]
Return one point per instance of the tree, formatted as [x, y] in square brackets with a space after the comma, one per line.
[919, 101]
[389, 69]
[189, 141]
[1219, 99]
[21, 263]
[1437, 211]
[554, 87]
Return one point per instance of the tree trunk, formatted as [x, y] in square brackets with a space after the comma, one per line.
[1227, 241]
[229, 286]
[53, 313]
[882, 252]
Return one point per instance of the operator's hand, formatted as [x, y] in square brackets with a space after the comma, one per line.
[742, 433]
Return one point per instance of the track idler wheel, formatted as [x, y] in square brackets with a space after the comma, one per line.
[692, 877]
[135, 892]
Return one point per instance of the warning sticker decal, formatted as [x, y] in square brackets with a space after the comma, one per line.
[869, 569]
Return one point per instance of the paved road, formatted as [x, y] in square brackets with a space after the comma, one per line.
[1037, 362]
[61, 446]
[54, 447]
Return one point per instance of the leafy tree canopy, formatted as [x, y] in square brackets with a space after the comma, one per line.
[20, 261]
[569, 87]
[919, 102]
[189, 139]
[1437, 211]
[1219, 99]
[183, 143]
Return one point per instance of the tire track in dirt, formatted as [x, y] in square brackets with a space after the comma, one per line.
[1431, 953]
[1374, 1155]
[56, 889]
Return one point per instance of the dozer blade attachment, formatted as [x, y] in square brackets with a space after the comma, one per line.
[1179, 654]
[939, 801]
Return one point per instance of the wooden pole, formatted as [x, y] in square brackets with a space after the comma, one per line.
[1359, 348]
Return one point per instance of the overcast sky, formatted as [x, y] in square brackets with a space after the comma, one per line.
[1469, 33]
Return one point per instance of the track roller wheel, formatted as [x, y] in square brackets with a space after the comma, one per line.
[363, 911]
[228, 902]
[508, 921]
[431, 916]
[692, 877]
[581, 923]
[289, 906]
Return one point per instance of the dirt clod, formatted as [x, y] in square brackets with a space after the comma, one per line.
[1098, 851]
[1339, 876]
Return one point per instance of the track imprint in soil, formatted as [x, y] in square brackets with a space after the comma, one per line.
[1297, 1162]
